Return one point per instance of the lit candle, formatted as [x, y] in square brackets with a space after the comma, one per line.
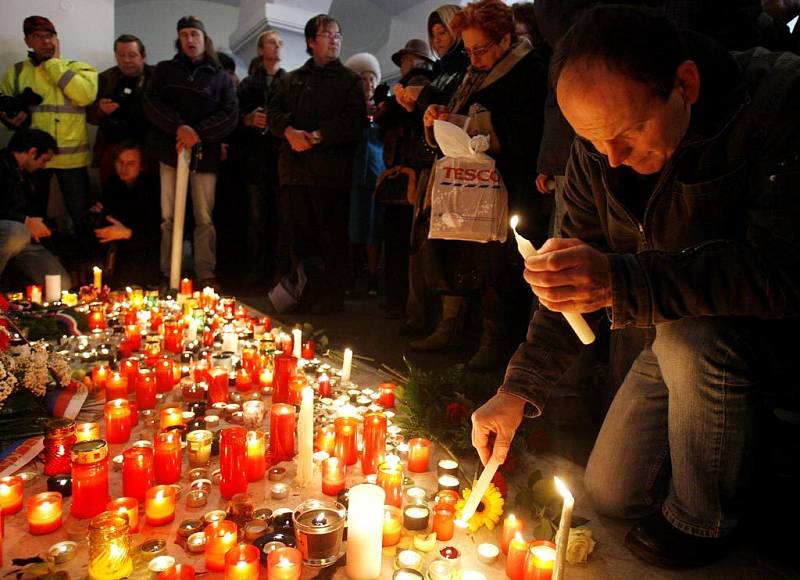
[285, 366]
[145, 389]
[326, 437]
[345, 443]
[167, 457]
[87, 432]
[333, 475]
[374, 451]
[233, 461]
[386, 396]
[390, 479]
[44, 512]
[392, 524]
[221, 536]
[281, 432]
[488, 553]
[89, 478]
[198, 444]
[562, 537]
[284, 564]
[34, 292]
[130, 368]
[99, 376]
[170, 417]
[448, 482]
[116, 386]
[309, 349]
[52, 287]
[416, 518]
[244, 381]
[305, 439]
[347, 364]
[230, 340]
[517, 552]
[443, 521]
[408, 559]
[97, 275]
[446, 467]
[117, 416]
[576, 321]
[512, 526]
[364, 531]
[138, 474]
[242, 562]
[186, 286]
[253, 413]
[324, 385]
[129, 507]
[159, 505]
[297, 343]
[539, 561]
[256, 455]
[418, 455]
[218, 389]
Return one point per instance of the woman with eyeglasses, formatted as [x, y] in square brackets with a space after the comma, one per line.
[503, 94]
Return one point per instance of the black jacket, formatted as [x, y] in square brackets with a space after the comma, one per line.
[719, 234]
[450, 70]
[200, 95]
[258, 150]
[329, 99]
[127, 122]
[16, 189]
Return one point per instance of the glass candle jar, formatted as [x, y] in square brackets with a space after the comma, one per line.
[390, 478]
[319, 526]
[333, 476]
[285, 368]
[116, 386]
[138, 472]
[89, 478]
[418, 455]
[345, 439]
[145, 389]
[199, 445]
[221, 536]
[539, 561]
[117, 418]
[159, 505]
[10, 494]
[44, 512]
[243, 562]
[129, 507]
[168, 457]
[284, 564]
[386, 396]
[109, 547]
[443, 521]
[59, 437]
[232, 461]
[374, 450]
[281, 432]
[256, 460]
[87, 432]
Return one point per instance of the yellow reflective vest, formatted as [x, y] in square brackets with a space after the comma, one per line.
[67, 87]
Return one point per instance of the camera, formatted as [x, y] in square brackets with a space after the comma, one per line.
[12, 106]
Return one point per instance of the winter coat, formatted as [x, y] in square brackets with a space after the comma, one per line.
[258, 149]
[719, 234]
[127, 122]
[16, 189]
[200, 95]
[66, 87]
[327, 98]
[451, 68]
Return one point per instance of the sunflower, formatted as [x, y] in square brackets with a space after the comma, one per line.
[489, 509]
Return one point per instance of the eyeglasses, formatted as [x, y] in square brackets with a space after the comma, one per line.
[330, 35]
[479, 51]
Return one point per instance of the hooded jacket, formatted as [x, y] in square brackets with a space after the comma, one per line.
[719, 234]
[451, 66]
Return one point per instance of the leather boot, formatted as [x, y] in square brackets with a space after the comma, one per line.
[487, 357]
[449, 330]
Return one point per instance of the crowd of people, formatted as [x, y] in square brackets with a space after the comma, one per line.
[655, 170]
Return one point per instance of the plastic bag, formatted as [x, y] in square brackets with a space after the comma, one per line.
[469, 201]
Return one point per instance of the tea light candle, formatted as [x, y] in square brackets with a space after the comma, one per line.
[415, 495]
[196, 498]
[201, 484]
[188, 527]
[62, 552]
[215, 516]
[254, 529]
[447, 467]
[517, 553]
[439, 570]
[160, 564]
[87, 432]
[512, 526]
[44, 512]
[284, 564]
[540, 560]
[221, 536]
[408, 559]
[263, 514]
[159, 505]
[10, 494]
[128, 507]
[488, 553]
[449, 482]
[418, 455]
[196, 543]
[279, 491]
[277, 473]
[392, 524]
[416, 517]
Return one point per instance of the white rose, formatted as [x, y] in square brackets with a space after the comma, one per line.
[580, 545]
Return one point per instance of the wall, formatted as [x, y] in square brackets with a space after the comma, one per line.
[154, 22]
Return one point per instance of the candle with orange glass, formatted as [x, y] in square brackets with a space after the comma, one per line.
[116, 386]
[129, 507]
[333, 476]
[418, 455]
[256, 460]
[159, 505]
[117, 417]
[221, 536]
[512, 525]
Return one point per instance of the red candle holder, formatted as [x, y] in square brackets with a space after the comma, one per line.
[116, 386]
[97, 317]
[117, 416]
[324, 385]
[138, 472]
[44, 512]
[308, 349]
[89, 478]
[177, 572]
[374, 450]
[444, 521]
[221, 536]
[512, 526]
[386, 395]
[419, 451]
[186, 286]
[285, 368]
[285, 564]
[99, 376]
[345, 444]
[243, 562]
[517, 554]
[146, 390]
[10, 494]
[325, 440]
[539, 561]
[159, 505]
[167, 457]
[232, 461]
[333, 476]
[218, 387]
[256, 455]
[87, 432]
[170, 417]
[130, 368]
[173, 337]
[281, 432]
[133, 335]
[164, 375]
[59, 437]
[390, 478]
[244, 381]
[128, 507]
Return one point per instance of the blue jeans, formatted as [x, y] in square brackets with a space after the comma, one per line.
[205, 236]
[681, 432]
[34, 261]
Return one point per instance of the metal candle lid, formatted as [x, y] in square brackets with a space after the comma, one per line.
[87, 452]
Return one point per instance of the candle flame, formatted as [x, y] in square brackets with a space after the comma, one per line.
[514, 221]
[562, 489]
[518, 537]
[284, 562]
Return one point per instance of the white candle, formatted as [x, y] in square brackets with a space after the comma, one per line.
[52, 287]
[562, 537]
[305, 439]
[347, 364]
[230, 340]
[576, 321]
[365, 531]
[191, 331]
[297, 343]
[477, 492]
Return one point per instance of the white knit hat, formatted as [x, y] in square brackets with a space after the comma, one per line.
[364, 62]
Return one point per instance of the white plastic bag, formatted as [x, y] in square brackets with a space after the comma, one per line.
[469, 201]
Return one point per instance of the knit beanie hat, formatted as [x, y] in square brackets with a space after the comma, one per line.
[191, 22]
[364, 62]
